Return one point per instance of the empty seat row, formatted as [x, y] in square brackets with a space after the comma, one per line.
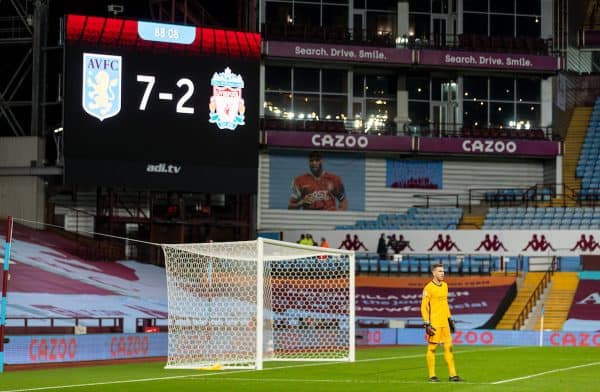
[415, 218]
[422, 265]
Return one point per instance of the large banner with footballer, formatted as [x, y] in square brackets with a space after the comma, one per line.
[160, 106]
[316, 181]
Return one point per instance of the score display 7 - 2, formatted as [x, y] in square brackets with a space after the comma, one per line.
[133, 104]
[150, 81]
[227, 106]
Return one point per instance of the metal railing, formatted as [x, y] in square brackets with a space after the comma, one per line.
[531, 196]
[448, 199]
[426, 129]
[388, 38]
[55, 325]
[535, 296]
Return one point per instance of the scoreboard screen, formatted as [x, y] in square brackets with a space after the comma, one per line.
[160, 106]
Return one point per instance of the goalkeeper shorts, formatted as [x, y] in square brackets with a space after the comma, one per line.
[442, 335]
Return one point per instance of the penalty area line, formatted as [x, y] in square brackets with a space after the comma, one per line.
[545, 373]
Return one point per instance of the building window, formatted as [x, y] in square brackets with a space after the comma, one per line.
[512, 18]
[532, 7]
[306, 106]
[278, 105]
[335, 16]
[418, 88]
[502, 89]
[475, 5]
[509, 102]
[306, 79]
[475, 88]
[305, 93]
[418, 112]
[502, 25]
[475, 113]
[528, 26]
[330, 13]
[334, 81]
[387, 5]
[333, 107]
[279, 13]
[307, 14]
[419, 6]
[379, 96]
[278, 78]
[528, 90]
[502, 6]
[501, 114]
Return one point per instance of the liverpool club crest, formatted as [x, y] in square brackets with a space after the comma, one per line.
[226, 105]
[101, 96]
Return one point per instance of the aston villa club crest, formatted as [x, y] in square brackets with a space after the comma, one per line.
[101, 96]
[226, 105]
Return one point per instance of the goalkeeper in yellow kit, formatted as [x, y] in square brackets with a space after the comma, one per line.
[438, 322]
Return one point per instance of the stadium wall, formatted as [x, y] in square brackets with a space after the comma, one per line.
[480, 337]
[22, 192]
[45, 349]
[58, 349]
[379, 198]
[543, 242]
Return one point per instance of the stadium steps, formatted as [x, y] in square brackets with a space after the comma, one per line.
[471, 222]
[531, 281]
[560, 298]
[537, 310]
[573, 143]
[504, 273]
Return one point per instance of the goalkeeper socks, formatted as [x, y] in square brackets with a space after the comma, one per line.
[430, 357]
[449, 357]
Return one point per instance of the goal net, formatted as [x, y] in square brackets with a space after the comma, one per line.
[237, 304]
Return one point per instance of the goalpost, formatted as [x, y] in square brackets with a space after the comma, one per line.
[237, 304]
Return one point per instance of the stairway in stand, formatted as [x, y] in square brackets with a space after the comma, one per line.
[572, 149]
[531, 282]
[471, 222]
[558, 303]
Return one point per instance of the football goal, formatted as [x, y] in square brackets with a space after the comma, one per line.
[237, 304]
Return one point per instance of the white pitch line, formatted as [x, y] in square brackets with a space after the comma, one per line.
[330, 381]
[243, 371]
[544, 373]
[104, 383]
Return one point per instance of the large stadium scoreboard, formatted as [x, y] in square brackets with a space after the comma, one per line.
[160, 106]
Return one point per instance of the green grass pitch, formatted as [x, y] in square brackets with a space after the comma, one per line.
[536, 369]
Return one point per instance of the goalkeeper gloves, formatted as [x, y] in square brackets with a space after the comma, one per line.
[429, 330]
[451, 324]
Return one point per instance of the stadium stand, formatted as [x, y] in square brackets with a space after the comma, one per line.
[55, 290]
[528, 294]
[588, 168]
[559, 300]
[414, 218]
[570, 264]
[420, 264]
[543, 217]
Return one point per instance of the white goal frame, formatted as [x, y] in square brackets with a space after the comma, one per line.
[297, 302]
